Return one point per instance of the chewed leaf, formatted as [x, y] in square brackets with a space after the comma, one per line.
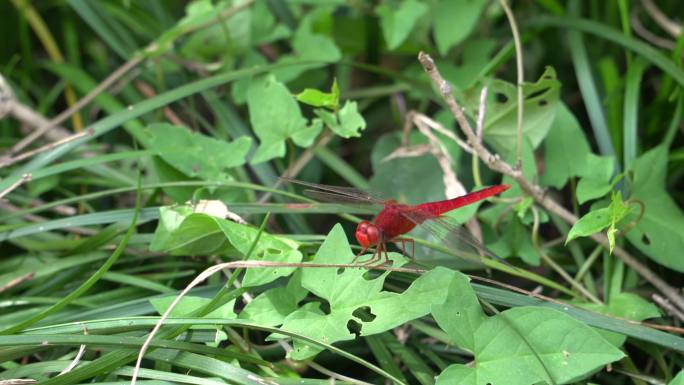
[540, 100]
[352, 298]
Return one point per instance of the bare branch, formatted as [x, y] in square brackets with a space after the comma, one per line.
[24, 178]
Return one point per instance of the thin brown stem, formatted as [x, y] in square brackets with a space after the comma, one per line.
[10, 161]
[114, 76]
[519, 68]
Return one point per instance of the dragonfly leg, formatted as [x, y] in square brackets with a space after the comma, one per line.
[359, 254]
[403, 246]
[377, 255]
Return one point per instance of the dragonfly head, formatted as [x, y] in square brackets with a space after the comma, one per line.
[367, 234]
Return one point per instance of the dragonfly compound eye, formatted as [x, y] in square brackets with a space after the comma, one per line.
[367, 234]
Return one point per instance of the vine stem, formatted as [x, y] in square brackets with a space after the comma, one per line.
[494, 162]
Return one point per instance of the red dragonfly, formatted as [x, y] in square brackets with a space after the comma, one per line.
[396, 219]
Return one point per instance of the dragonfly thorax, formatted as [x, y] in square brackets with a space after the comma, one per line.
[367, 234]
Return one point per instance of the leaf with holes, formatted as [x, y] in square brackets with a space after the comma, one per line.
[272, 306]
[528, 345]
[182, 232]
[501, 122]
[357, 303]
[659, 232]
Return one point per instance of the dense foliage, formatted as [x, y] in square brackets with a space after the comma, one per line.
[142, 143]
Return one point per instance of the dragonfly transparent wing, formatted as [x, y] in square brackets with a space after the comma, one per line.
[453, 235]
[336, 193]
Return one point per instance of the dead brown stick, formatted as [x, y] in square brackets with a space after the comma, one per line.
[12, 160]
[114, 76]
[495, 163]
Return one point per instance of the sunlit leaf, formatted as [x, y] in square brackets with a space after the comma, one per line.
[356, 300]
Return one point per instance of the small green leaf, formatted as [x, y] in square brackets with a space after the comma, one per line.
[597, 220]
[316, 98]
[454, 20]
[351, 122]
[346, 123]
[398, 21]
[593, 222]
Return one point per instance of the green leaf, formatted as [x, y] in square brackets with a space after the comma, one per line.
[196, 155]
[454, 20]
[346, 123]
[398, 21]
[356, 300]
[189, 304]
[197, 13]
[516, 241]
[592, 222]
[678, 380]
[460, 315]
[351, 122]
[309, 45]
[595, 181]
[182, 232]
[527, 345]
[501, 122]
[316, 98]
[275, 117]
[565, 149]
[659, 232]
[272, 306]
[597, 220]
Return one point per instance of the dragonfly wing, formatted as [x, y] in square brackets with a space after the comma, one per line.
[344, 194]
[325, 196]
[453, 235]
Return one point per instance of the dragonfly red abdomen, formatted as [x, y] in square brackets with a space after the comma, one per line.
[442, 207]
